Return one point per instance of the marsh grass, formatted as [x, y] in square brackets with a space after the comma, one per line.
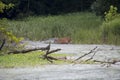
[111, 31]
[25, 60]
[81, 27]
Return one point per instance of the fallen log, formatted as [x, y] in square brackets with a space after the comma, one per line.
[28, 50]
[45, 56]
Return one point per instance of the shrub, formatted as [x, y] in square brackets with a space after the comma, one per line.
[111, 14]
[111, 26]
[5, 34]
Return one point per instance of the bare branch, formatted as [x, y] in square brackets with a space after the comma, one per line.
[85, 54]
[3, 43]
[109, 62]
[53, 51]
[28, 50]
[91, 56]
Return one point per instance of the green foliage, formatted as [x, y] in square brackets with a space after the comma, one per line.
[5, 34]
[5, 9]
[5, 6]
[9, 38]
[111, 26]
[2, 6]
[111, 14]
[8, 35]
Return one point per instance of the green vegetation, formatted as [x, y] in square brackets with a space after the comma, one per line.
[5, 6]
[111, 26]
[111, 32]
[6, 37]
[81, 27]
[3, 22]
[25, 60]
[5, 33]
[111, 14]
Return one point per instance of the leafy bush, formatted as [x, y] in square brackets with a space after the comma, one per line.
[6, 35]
[7, 38]
[111, 25]
[5, 9]
[111, 14]
[3, 24]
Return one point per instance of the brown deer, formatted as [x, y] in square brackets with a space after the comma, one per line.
[65, 40]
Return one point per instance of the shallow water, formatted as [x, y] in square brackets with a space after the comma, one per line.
[62, 72]
[70, 71]
[103, 51]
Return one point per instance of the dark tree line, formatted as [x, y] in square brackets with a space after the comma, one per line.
[53, 7]
[101, 6]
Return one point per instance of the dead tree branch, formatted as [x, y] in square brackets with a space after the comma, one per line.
[91, 56]
[53, 51]
[50, 58]
[2, 45]
[45, 56]
[28, 50]
[107, 63]
[86, 54]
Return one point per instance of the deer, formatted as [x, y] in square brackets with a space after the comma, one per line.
[64, 40]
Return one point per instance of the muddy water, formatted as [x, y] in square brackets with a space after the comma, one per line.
[69, 72]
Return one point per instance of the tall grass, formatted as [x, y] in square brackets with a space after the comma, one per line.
[81, 27]
[111, 31]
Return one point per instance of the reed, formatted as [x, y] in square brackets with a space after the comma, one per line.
[81, 27]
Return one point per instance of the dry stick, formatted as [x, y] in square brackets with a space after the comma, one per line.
[49, 52]
[85, 54]
[50, 58]
[91, 56]
[3, 43]
[109, 62]
[53, 51]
